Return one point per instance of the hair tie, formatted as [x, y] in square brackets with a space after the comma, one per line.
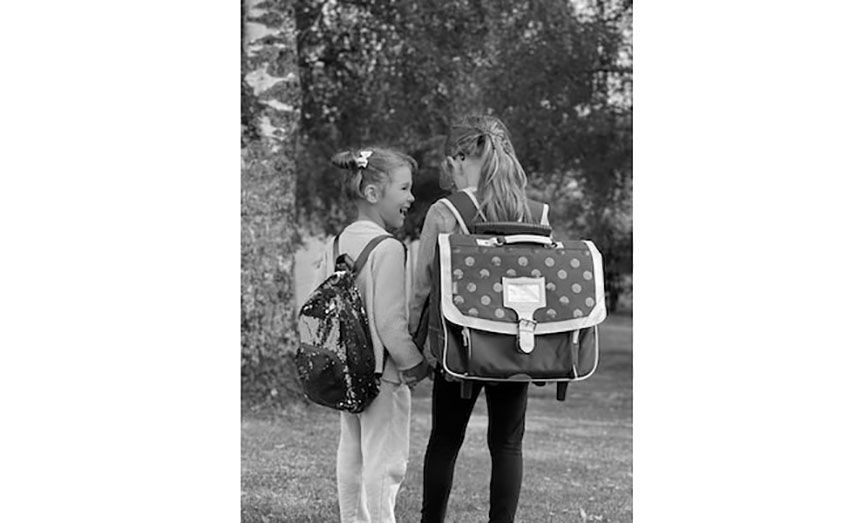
[362, 161]
[495, 139]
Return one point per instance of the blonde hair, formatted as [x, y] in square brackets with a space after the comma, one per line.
[501, 188]
[370, 165]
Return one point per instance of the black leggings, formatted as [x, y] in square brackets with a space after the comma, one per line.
[450, 413]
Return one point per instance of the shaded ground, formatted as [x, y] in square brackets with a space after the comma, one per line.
[578, 454]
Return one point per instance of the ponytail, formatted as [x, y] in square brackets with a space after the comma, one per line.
[353, 175]
[501, 187]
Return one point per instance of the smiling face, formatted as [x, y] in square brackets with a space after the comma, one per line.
[396, 198]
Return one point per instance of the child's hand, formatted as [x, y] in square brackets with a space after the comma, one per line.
[411, 377]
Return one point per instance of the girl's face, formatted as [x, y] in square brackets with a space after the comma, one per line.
[393, 205]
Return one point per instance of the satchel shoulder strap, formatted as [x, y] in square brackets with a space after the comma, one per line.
[539, 210]
[464, 206]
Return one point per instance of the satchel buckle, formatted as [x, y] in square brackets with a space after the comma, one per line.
[525, 339]
[524, 296]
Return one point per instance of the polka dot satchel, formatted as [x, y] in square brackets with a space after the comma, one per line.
[509, 303]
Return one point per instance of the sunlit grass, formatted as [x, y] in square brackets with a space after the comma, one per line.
[578, 454]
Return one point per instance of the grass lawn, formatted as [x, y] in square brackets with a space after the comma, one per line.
[577, 454]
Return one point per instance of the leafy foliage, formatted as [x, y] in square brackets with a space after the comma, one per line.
[398, 72]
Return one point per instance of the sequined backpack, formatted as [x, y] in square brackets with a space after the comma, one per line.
[509, 303]
[335, 360]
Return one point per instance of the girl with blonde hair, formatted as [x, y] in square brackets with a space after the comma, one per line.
[374, 444]
[481, 162]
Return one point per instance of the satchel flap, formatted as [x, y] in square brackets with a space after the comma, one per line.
[474, 270]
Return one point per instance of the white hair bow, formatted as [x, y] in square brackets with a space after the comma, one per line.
[362, 161]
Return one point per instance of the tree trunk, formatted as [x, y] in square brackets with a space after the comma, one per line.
[271, 112]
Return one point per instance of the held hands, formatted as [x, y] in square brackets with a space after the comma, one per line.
[411, 377]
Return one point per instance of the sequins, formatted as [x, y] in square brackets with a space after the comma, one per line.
[522, 261]
[576, 288]
[500, 313]
[471, 287]
[587, 275]
[510, 272]
[574, 263]
[485, 300]
[484, 273]
[497, 287]
[589, 302]
[496, 261]
[550, 287]
[549, 262]
[469, 261]
[473, 311]
[564, 300]
[562, 274]
[551, 313]
[577, 313]
[334, 308]
[457, 273]
[458, 300]
[535, 273]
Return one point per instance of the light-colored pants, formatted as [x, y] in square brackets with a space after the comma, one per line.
[372, 456]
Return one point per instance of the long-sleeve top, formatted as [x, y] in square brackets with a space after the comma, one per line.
[439, 219]
[382, 287]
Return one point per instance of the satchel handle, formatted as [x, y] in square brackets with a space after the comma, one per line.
[546, 241]
[526, 238]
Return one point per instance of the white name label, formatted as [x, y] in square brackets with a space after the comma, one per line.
[523, 293]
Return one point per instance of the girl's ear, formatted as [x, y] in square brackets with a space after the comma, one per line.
[372, 193]
[455, 169]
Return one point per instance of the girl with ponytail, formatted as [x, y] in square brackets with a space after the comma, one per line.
[480, 161]
[374, 444]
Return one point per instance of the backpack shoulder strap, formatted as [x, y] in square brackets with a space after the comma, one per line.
[464, 206]
[364, 254]
[361, 261]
